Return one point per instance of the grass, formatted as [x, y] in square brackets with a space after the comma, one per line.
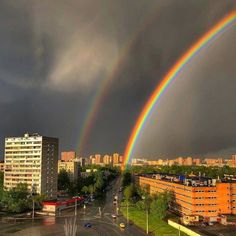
[156, 226]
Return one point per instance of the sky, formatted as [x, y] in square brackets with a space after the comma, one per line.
[55, 55]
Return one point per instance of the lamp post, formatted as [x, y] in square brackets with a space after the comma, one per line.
[127, 212]
[147, 219]
[76, 206]
[33, 211]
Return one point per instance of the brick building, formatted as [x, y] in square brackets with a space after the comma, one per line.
[196, 196]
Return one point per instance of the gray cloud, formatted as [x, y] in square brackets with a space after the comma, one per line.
[55, 54]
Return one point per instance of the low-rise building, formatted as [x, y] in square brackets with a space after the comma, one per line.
[194, 196]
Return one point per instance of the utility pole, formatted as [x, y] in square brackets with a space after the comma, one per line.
[127, 212]
[76, 206]
[147, 221]
[33, 211]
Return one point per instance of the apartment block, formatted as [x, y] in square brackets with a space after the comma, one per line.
[32, 159]
[194, 196]
[71, 167]
[2, 166]
[68, 156]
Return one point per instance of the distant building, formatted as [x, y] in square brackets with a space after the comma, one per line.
[180, 161]
[32, 159]
[68, 156]
[116, 158]
[107, 160]
[71, 167]
[234, 160]
[196, 161]
[98, 159]
[189, 161]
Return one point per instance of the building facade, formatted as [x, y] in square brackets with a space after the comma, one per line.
[68, 156]
[2, 165]
[32, 159]
[71, 167]
[193, 196]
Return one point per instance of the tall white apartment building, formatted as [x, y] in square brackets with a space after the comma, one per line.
[32, 159]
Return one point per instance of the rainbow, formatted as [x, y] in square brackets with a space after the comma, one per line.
[96, 101]
[207, 38]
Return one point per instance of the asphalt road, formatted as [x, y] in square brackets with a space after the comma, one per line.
[102, 224]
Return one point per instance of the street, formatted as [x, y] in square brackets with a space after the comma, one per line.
[101, 220]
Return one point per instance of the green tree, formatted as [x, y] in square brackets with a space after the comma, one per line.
[99, 182]
[17, 199]
[91, 189]
[160, 204]
[63, 180]
[85, 189]
[129, 192]
[126, 178]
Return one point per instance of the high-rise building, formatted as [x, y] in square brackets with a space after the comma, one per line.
[68, 156]
[32, 159]
[234, 160]
[189, 161]
[107, 160]
[2, 166]
[180, 161]
[98, 159]
[116, 158]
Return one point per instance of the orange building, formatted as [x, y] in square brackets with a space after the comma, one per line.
[98, 159]
[194, 196]
[68, 156]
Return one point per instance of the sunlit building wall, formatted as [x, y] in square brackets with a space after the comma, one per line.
[32, 159]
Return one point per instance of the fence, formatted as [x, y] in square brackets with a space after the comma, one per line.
[183, 228]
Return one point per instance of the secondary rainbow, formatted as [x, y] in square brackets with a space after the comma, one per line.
[207, 38]
[97, 99]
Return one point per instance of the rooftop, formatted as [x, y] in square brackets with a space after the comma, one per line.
[191, 180]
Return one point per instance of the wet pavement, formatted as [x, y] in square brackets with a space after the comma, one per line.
[102, 224]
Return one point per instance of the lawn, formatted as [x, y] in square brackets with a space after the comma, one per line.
[156, 226]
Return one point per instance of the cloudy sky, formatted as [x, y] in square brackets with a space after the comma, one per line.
[55, 55]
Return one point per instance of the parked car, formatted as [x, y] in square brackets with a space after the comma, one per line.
[122, 225]
[87, 225]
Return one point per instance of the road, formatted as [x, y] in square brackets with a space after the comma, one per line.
[102, 224]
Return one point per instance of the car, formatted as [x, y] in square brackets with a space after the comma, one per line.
[113, 216]
[87, 225]
[122, 225]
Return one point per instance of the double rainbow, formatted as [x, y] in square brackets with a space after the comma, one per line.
[206, 39]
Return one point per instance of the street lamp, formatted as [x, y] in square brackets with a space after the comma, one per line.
[127, 212]
[147, 223]
[76, 206]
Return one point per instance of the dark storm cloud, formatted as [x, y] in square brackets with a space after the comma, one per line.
[54, 55]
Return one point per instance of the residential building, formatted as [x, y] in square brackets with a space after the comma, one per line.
[68, 156]
[2, 166]
[32, 159]
[107, 160]
[71, 167]
[98, 159]
[189, 161]
[116, 158]
[194, 196]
